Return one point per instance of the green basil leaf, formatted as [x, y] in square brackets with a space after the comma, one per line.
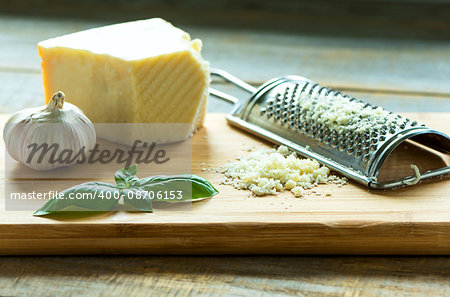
[139, 193]
[97, 196]
[126, 178]
[138, 198]
[185, 187]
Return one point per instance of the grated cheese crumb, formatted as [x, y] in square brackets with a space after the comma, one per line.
[269, 171]
[290, 184]
[298, 191]
[416, 179]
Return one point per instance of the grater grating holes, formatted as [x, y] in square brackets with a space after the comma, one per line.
[288, 109]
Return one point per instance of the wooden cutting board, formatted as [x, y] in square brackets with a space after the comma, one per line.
[353, 220]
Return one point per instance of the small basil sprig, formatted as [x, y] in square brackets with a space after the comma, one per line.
[138, 193]
[126, 178]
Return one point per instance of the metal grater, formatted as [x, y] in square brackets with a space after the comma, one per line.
[290, 110]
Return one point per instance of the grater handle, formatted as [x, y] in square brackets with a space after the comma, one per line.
[223, 96]
[233, 79]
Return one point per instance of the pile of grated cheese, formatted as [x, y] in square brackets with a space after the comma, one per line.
[269, 171]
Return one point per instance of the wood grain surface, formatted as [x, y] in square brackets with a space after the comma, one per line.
[224, 276]
[352, 220]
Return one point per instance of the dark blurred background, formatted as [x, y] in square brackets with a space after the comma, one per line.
[425, 19]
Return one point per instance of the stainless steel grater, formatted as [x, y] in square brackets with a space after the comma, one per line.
[296, 112]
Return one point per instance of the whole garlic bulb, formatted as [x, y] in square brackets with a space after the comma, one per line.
[60, 127]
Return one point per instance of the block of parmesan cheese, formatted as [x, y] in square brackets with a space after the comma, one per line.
[145, 71]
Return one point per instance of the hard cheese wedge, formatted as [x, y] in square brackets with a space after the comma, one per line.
[144, 71]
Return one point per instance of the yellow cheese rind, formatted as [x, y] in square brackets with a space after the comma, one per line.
[139, 72]
[129, 41]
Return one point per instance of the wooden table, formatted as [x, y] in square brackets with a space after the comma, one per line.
[394, 69]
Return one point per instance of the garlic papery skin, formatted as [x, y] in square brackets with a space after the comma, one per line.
[60, 126]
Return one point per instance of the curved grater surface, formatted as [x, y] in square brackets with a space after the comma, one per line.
[347, 134]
